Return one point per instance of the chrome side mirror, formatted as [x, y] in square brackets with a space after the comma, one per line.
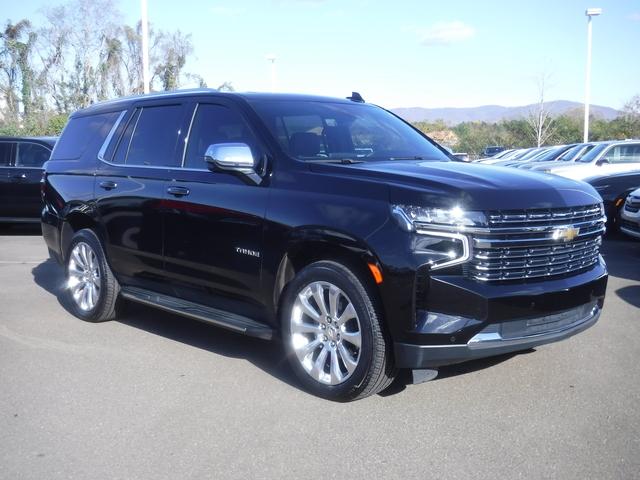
[232, 157]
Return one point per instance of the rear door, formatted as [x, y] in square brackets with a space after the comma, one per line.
[25, 178]
[130, 188]
[6, 161]
[214, 220]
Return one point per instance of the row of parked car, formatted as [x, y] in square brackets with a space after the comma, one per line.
[611, 167]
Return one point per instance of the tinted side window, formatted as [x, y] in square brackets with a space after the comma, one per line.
[31, 155]
[215, 124]
[623, 154]
[155, 136]
[82, 133]
[5, 153]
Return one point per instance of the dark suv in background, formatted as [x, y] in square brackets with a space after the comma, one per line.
[21, 160]
[329, 223]
[491, 151]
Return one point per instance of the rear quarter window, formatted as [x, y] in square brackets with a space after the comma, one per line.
[83, 135]
[31, 155]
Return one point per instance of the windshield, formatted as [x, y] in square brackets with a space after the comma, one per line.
[533, 153]
[570, 154]
[548, 155]
[519, 154]
[326, 131]
[595, 151]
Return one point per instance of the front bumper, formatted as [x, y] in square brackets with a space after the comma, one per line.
[503, 318]
[487, 344]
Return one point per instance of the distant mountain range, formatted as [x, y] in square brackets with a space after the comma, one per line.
[495, 113]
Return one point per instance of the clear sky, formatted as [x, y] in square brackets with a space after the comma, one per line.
[403, 53]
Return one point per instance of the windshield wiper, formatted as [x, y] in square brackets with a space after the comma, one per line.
[414, 157]
[344, 161]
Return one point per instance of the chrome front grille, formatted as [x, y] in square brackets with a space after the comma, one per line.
[529, 244]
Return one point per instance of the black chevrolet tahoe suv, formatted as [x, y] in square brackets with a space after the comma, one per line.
[329, 223]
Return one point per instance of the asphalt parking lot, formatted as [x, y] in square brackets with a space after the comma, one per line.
[159, 396]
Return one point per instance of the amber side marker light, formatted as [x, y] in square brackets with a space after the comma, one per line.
[619, 201]
[375, 271]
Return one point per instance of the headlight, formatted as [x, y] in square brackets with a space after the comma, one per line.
[453, 217]
[439, 231]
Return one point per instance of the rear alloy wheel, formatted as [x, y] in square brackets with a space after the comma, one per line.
[333, 334]
[83, 277]
[93, 289]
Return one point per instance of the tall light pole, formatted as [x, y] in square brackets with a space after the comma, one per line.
[272, 59]
[590, 12]
[145, 46]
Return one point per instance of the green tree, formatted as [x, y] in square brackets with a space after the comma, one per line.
[16, 54]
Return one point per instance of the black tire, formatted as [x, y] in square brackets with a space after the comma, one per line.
[375, 370]
[106, 306]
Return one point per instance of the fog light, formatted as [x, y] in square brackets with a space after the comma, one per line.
[435, 322]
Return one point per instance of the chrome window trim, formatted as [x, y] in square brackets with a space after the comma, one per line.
[168, 167]
[188, 136]
[107, 141]
[135, 127]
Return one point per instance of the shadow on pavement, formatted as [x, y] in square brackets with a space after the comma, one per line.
[630, 294]
[20, 229]
[622, 255]
[268, 356]
[404, 378]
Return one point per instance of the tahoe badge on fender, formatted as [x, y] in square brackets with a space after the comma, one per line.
[246, 251]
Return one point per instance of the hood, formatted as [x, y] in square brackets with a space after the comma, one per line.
[468, 185]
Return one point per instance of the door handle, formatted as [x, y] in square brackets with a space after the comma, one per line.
[178, 191]
[19, 176]
[108, 185]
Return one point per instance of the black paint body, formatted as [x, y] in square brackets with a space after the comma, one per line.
[186, 246]
[20, 198]
[614, 189]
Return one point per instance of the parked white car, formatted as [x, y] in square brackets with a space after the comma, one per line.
[630, 215]
[604, 159]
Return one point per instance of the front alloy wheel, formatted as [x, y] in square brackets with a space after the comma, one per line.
[333, 333]
[326, 333]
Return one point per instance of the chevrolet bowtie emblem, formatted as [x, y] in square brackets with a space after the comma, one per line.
[565, 233]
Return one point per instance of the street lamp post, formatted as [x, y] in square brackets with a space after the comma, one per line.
[590, 12]
[145, 45]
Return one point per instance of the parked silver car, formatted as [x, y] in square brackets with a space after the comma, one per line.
[630, 215]
[604, 159]
[573, 154]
